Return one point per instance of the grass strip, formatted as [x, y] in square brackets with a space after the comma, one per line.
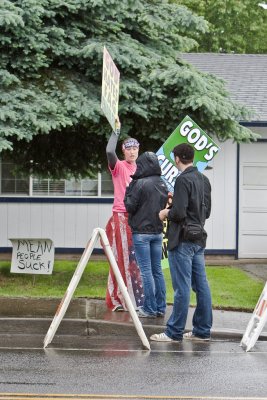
[231, 287]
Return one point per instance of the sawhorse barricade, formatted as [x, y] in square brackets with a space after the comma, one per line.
[62, 308]
[256, 323]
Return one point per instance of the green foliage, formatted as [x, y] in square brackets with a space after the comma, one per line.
[51, 72]
[234, 26]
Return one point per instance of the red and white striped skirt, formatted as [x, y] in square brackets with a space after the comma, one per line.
[120, 238]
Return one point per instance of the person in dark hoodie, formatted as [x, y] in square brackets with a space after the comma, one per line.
[146, 195]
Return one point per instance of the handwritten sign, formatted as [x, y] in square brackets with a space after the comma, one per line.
[32, 256]
[110, 88]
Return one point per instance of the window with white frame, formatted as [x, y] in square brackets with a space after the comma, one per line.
[11, 185]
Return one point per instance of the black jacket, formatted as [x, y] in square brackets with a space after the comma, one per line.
[187, 204]
[146, 195]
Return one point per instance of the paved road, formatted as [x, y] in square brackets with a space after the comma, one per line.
[90, 363]
[119, 366]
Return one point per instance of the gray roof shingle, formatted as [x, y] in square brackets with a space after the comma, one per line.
[245, 76]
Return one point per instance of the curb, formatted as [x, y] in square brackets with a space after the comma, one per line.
[89, 317]
[94, 327]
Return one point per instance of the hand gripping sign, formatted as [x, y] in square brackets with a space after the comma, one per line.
[205, 150]
[110, 89]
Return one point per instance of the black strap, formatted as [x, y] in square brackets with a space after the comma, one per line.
[203, 205]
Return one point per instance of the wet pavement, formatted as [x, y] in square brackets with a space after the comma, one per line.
[111, 366]
[90, 317]
[97, 353]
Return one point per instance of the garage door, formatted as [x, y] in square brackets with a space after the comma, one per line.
[253, 200]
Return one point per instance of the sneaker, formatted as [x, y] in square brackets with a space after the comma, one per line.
[161, 337]
[118, 308]
[160, 314]
[142, 314]
[191, 336]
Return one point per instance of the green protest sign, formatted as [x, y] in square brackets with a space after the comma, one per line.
[186, 132]
[205, 150]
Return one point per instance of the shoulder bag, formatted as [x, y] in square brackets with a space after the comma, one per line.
[193, 231]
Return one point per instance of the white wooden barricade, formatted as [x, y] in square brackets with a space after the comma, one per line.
[62, 308]
[256, 323]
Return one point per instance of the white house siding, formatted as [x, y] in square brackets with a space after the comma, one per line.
[253, 199]
[221, 226]
[70, 222]
[69, 225]
[239, 228]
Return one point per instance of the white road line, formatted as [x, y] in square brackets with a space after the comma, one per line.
[25, 396]
[131, 351]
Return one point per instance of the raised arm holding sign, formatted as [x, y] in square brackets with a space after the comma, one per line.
[117, 229]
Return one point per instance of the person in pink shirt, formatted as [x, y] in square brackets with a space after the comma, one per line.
[118, 230]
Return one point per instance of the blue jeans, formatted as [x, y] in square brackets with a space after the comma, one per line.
[187, 266]
[148, 251]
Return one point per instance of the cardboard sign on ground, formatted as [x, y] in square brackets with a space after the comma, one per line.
[32, 256]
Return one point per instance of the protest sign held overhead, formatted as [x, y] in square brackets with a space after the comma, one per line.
[32, 256]
[186, 132]
[110, 89]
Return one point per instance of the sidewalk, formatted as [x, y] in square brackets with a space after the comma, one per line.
[87, 317]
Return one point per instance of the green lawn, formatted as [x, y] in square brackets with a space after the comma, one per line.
[231, 288]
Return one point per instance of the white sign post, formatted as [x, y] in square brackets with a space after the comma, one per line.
[32, 256]
[62, 308]
[256, 323]
[110, 89]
